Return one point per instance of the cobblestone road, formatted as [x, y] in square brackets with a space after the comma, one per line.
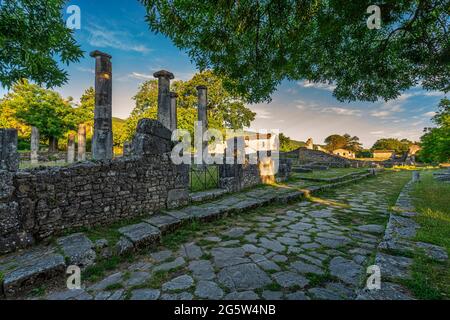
[307, 250]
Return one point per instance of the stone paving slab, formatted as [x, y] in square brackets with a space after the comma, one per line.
[142, 234]
[78, 249]
[31, 269]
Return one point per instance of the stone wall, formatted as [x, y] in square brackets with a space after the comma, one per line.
[49, 156]
[37, 204]
[307, 156]
[41, 203]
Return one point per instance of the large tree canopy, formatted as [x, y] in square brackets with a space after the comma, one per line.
[41, 108]
[399, 146]
[33, 35]
[258, 43]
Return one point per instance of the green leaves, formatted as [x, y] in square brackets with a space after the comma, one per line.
[256, 44]
[33, 35]
[436, 141]
[225, 110]
[44, 109]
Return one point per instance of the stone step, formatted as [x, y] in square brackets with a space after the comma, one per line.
[207, 195]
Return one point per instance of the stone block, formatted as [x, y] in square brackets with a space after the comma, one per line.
[141, 234]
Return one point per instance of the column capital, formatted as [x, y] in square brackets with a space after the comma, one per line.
[202, 88]
[164, 74]
[97, 53]
[173, 94]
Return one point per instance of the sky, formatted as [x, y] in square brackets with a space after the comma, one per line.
[299, 109]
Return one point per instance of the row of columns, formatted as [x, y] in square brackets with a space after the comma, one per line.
[81, 152]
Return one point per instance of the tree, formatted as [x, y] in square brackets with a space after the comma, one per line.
[41, 108]
[32, 34]
[256, 44]
[435, 142]
[398, 146]
[346, 141]
[224, 109]
[335, 141]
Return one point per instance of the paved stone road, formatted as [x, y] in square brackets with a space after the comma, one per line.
[308, 250]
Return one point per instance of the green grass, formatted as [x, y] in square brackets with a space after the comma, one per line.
[431, 280]
[2, 277]
[175, 239]
[331, 173]
[199, 181]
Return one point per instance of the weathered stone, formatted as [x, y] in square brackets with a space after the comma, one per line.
[244, 295]
[388, 291]
[177, 198]
[9, 157]
[164, 223]
[183, 296]
[34, 145]
[78, 249]
[32, 270]
[102, 141]
[77, 294]
[177, 263]
[179, 283]
[333, 243]
[290, 279]
[272, 245]
[191, 251]
[123, 246]
[107, 282]
[346, 270]
[243, 277]
[164, 98]
[306, 268]
[81, 142]
[208, 290]
[224, 257]
[141, 234]
[297, 296]
[100, 244]
[393, 267]
[272, 295]
[202, 270]
[137, 278]
[250, 248]
[371, 228]
[145, 294]
[161, 256]
[235, 232]
[324, 294]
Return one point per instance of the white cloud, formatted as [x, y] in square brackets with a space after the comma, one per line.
[316, 85]
[263, 114]
[141, 76]
[107, 38]
[342, 111]
[430, 114]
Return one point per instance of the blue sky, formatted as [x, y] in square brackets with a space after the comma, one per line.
[299, 109]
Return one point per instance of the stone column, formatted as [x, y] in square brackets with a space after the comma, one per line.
[81, 142]
[173, 111]
[9, 157]
[202, 106]
[71, 148]
[102, 142]
[34, 145]
[416, 176]
[202, 110]
[164, 99]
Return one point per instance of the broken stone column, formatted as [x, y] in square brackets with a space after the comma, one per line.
[102, 142]
[71, 148]
[34, 146]
[9, 157]
[164, 97]
[82, 142]
[127, 149]
[173, 111]
[416, 176]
